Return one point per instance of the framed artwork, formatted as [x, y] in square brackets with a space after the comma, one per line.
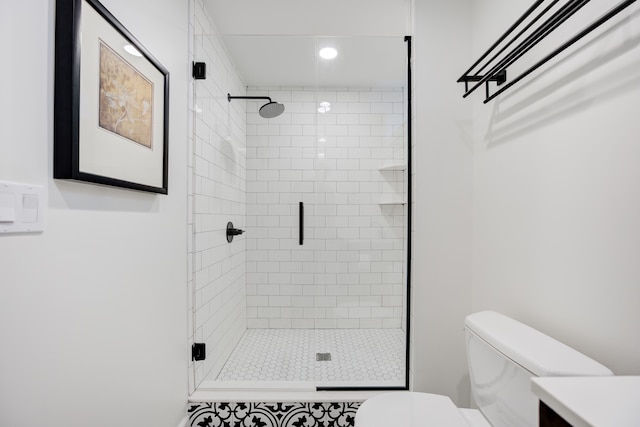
[111, 102]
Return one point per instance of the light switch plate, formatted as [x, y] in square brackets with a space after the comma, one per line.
[21, 207]
[7, 207]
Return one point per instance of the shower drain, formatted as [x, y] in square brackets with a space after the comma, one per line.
[323, 357]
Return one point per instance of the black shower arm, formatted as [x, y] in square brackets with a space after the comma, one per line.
[229, 97]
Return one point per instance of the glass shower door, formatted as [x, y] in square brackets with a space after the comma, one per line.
[358, 222]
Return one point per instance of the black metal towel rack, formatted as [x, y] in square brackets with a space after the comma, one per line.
[493, 64]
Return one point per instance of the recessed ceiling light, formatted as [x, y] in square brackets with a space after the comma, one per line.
[325, 107]
[328, 53]
[132, 50]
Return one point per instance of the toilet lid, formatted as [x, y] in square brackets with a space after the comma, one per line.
[409, 409]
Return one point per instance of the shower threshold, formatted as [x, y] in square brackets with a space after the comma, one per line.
[214, 391]
[277, 391]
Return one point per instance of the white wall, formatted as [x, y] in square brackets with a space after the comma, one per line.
[442, 147]
[541, 184]
[557, 206]
[92, 310]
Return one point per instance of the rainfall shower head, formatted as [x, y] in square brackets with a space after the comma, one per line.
[269, 110]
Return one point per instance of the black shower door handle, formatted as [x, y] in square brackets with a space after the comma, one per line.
[301, 223]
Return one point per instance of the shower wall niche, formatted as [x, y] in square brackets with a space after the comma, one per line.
[339, 299]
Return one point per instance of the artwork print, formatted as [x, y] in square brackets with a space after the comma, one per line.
[111, 103]
[126, 99]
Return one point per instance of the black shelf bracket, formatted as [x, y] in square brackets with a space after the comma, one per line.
[499, 78]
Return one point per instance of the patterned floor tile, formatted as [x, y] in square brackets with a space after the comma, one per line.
[302, 414]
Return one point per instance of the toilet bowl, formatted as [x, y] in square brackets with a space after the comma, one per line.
[503, 355]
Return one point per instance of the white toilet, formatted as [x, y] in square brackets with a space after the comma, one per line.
[503, 354]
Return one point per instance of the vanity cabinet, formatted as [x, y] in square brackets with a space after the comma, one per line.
[550, 418]
[610, 401]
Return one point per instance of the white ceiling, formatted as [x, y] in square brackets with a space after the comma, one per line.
[274, 42]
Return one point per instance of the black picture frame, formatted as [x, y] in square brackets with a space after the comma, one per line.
[111, 108]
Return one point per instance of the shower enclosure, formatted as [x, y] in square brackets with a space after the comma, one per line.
[315, 290]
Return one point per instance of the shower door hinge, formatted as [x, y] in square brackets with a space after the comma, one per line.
[198, 351]
[199, 70]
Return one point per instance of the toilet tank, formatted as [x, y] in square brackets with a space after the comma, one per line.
[503, 354]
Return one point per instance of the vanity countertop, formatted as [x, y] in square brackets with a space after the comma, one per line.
[592, 401]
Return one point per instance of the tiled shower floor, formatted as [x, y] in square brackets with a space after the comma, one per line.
[357, 355]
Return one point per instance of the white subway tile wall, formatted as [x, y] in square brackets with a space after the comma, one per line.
[217, 194]
[344, 161]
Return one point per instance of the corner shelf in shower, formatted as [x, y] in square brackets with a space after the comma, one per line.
[385, 202]
[393, 167]
[392, 199]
